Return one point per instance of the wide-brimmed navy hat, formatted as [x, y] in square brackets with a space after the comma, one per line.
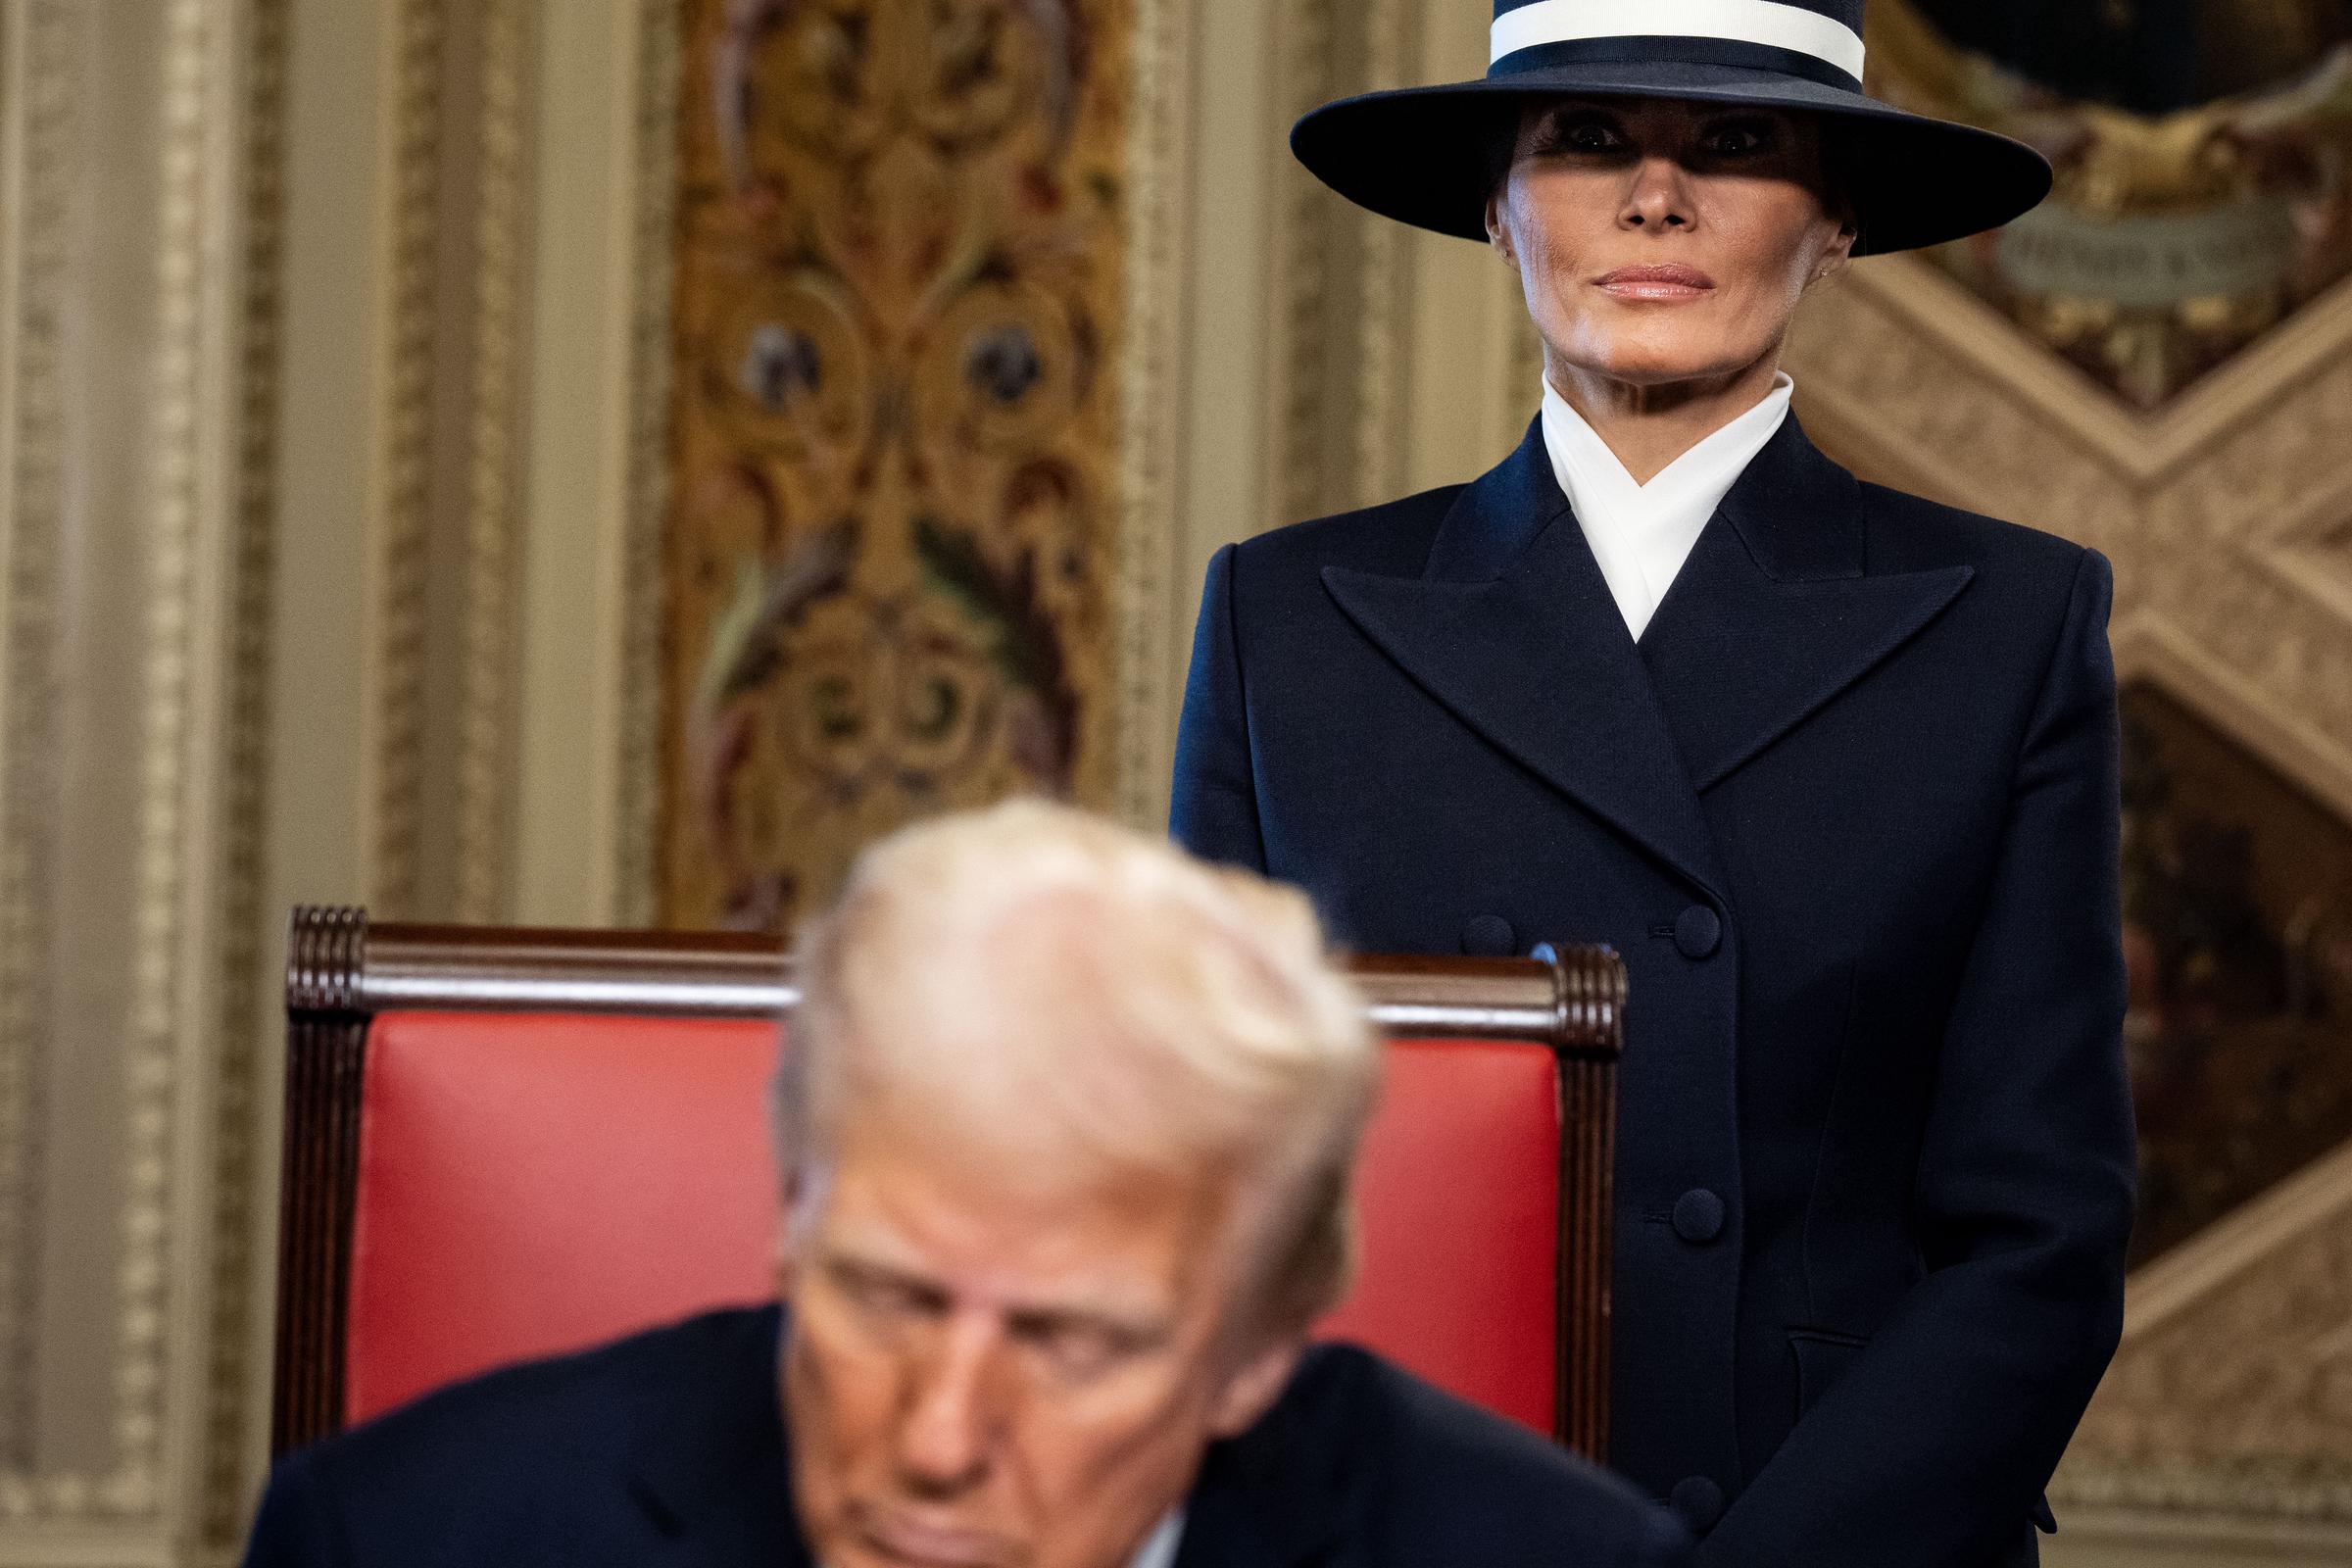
[1422, 155]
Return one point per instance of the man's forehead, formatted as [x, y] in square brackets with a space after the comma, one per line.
[1015, 1246]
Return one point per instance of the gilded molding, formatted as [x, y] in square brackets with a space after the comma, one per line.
[1385, 328]
[411, 185]
[1157, 224]
[639, 804]
[44, 116]
[224, 1463]
[1303, 370]
[485, 753]
[157, 1064]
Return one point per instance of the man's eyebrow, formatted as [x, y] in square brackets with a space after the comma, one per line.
[1137, 1328]
[853, 1262]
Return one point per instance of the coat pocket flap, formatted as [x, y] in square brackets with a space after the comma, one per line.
[1822, 1358]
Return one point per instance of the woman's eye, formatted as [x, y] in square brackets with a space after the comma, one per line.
[1735, 141]
[1582, 137]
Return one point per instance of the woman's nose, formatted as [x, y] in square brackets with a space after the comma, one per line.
[1659, 197]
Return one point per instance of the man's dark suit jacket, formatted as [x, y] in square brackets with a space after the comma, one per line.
[668, 1448]
[1850, 811]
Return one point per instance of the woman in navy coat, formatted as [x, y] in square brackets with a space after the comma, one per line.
[1833, 767]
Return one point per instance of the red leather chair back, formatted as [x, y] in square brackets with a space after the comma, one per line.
[530, 1183]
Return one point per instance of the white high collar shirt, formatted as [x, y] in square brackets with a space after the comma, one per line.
[1642, 534]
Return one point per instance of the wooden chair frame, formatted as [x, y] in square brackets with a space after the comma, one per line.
[342, 970]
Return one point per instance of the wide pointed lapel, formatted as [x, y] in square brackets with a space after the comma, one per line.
[1776, 613]
[1511, 626]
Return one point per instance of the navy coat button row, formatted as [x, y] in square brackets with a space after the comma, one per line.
[1699, 932]
[1698, 1501]
[1699, 1216]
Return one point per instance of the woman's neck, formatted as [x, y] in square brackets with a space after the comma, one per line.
[1648, 426]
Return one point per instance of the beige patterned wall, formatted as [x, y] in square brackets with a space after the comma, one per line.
[137, 262]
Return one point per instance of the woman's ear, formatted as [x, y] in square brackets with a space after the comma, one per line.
[1838, 253]
[1498, 233]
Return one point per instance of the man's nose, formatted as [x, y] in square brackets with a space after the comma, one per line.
[1659, 197]
[947, 1420]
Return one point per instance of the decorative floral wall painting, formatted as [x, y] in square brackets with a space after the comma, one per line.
[2238, 909]
[893, 524]
[2204, 158]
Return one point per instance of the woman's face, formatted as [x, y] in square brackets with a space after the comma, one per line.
[1662, 241]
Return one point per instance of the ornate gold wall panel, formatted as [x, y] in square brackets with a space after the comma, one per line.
[903, 383]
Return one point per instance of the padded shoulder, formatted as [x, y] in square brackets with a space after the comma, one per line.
[1911, 533]
[1391, 539]
[525, 1465]
[567, 1402]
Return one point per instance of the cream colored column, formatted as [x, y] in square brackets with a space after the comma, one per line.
[1468, 329]
[1208, 297]
[329, 449]
[578, 487]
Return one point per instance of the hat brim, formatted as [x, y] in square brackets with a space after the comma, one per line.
[1419, 154]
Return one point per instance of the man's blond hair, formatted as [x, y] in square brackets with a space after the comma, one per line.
[1084, 1000]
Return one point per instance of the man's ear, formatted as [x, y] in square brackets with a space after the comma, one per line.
[791, 1230]
[783, 1256]
[1253, 1387]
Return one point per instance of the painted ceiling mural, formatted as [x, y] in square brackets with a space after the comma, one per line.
[2204, 158]
[890, 549]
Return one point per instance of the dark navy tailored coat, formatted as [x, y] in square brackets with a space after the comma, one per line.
[668, 1450]
[1850, 811]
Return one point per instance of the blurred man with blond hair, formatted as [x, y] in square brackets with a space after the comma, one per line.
[1068, 1123]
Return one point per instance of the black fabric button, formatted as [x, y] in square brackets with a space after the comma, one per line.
[1490, 936]
[1698, 1501]
[1699, 1216]
[1699, 933]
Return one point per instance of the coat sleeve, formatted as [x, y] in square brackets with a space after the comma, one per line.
[1934, 1447]
[1213, 809]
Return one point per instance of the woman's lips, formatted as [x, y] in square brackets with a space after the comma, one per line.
[1662, 286]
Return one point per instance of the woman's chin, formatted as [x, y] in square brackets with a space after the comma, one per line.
[1667, 367]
